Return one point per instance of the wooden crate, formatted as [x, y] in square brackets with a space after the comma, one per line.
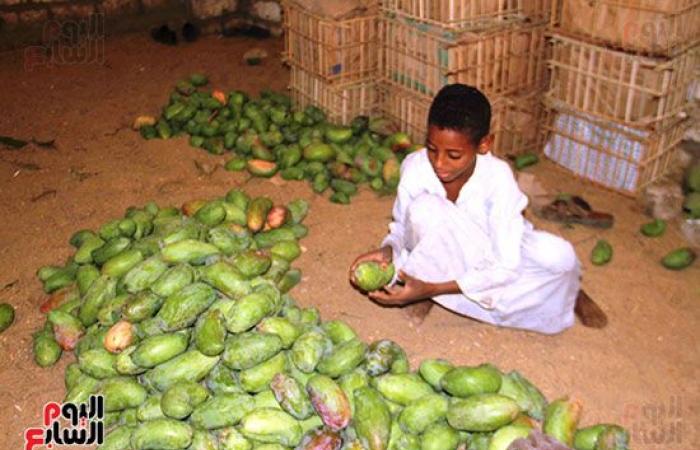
[498, 62]
[635, 90]
[652, 27]
[340, 102]
[468, 14]
[619, 157]
[515, 120]
[515, 123]
[339, 51]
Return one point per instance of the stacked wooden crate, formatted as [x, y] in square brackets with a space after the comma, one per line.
[496, 45]
[333, 62]
[621, 72]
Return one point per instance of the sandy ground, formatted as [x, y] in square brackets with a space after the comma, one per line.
[641, 371]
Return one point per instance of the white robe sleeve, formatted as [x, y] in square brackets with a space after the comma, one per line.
[395, 238]
[506, 227]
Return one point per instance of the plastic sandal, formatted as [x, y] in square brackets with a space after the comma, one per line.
[572, 209]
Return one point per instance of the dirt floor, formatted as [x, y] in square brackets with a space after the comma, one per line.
[641, 371]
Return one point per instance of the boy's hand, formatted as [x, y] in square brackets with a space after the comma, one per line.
[381, 255]
[412, 291]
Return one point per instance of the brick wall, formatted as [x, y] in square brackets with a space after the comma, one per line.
[24, 22]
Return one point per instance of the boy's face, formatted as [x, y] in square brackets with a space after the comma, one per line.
[452, 154]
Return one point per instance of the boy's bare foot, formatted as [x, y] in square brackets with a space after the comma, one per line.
[589, 312]
[417, 312]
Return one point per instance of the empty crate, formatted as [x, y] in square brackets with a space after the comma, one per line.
[339, 51]
[639, 91]
[499, 62]
[614, 155]
[655, 27]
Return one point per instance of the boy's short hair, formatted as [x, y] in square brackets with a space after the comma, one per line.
[461, 108]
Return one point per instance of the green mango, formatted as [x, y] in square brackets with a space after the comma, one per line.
[529, 398]
[189, 366]
[439, 436]
[282, 327]
[602, 253]
[318, 152]
[505, 436]
[418, 416]
[98, 363]
[156, 350]
[163, 434]
[292, 396]
[119, 438]
[482, 412]
[173, 280]
[269, 425]
[339, 331]
[403, 389]
[180, 399]
[258, 378]
[210, 333]
[222, 410]
[432, 371]
[252, 263]
[654, 228]
[679, 259]
[466, 381]
[343, 358]
[46, 349]
[308, 350]
[226, 279]
[561, 420]
[246, 350]
[181, 309]
[122, 393]
[329, 401]
[371, 276]
[586, 438]
[248, 312]
[222, 380]
[372, 419]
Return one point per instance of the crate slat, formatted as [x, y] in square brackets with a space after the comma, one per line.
[630, 89]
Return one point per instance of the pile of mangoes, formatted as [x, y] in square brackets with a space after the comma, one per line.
[182, 319]
[266, 136]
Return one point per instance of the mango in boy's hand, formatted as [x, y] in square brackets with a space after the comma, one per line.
[371, 276]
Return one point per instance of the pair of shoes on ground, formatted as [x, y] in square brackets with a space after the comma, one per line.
[165, 35]
[573, 209]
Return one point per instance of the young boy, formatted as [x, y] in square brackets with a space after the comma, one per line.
[459, 236]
